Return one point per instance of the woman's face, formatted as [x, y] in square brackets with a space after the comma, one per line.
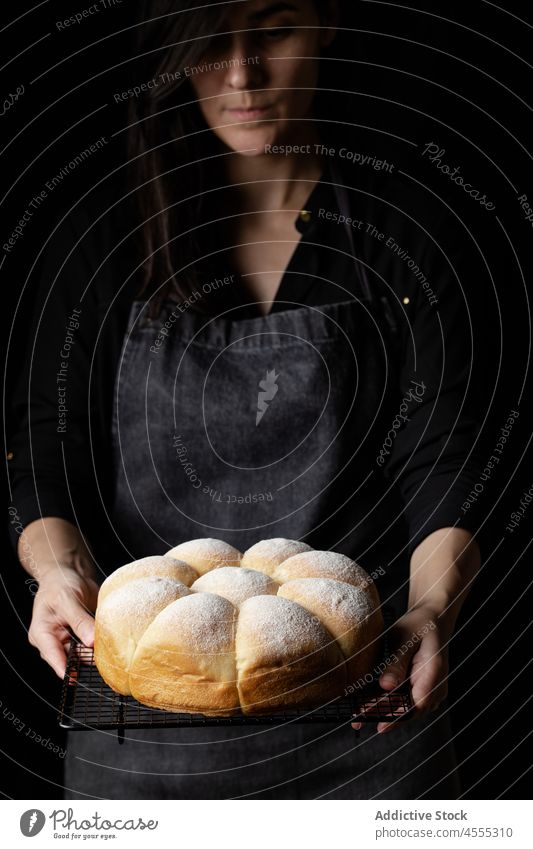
[257, 81]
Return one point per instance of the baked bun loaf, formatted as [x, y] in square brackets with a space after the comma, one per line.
[148, 567]
[285, 656]
[206, 554]
[186, 657]
[236, 585]
[122, 618]
[206, 629]
[347, 612]
[266, 555]
[326, 564]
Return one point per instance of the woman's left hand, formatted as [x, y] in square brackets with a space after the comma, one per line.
[419, 653]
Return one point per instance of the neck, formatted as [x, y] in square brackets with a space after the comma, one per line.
[273, 180]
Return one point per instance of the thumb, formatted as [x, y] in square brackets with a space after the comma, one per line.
[396, 670]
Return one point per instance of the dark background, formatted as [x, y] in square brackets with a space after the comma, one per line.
[455, 74]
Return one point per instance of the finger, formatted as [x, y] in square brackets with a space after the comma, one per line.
[429, 678]
[52, 650]
[386, 727]
[423, 706]
[81, 622]
[397, 668]
[396, 672]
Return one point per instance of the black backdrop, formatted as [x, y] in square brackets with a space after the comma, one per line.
[452, 74]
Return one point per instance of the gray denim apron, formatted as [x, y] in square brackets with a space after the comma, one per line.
[244, 430]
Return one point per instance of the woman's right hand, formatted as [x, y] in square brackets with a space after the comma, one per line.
[65, 598]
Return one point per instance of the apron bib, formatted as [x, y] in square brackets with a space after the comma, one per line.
[250, 429]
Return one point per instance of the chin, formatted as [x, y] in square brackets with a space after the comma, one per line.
[249, 141]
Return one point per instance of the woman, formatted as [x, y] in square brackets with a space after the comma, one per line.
[279, 372]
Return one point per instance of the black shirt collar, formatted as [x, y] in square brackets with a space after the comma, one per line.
[321, 196]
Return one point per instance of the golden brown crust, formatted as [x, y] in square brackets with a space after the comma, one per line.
[122, 618]
[285, 656]
[348, 613]
[186, 657]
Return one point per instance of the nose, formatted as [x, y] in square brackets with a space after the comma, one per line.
[245, 68]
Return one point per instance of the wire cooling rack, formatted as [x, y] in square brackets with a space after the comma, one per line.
[88, 703]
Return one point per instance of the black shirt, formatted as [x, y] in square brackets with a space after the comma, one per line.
[416, 258]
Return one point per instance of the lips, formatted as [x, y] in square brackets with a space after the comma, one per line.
[249, 112]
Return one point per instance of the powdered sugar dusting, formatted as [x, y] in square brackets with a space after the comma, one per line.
[204, 620]
[159, 565]
[322, 564]
[332, 596]
[279, 627]
[235, 584]
[207, 551]
[273, 551]
[140, 601]
[184, 570]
